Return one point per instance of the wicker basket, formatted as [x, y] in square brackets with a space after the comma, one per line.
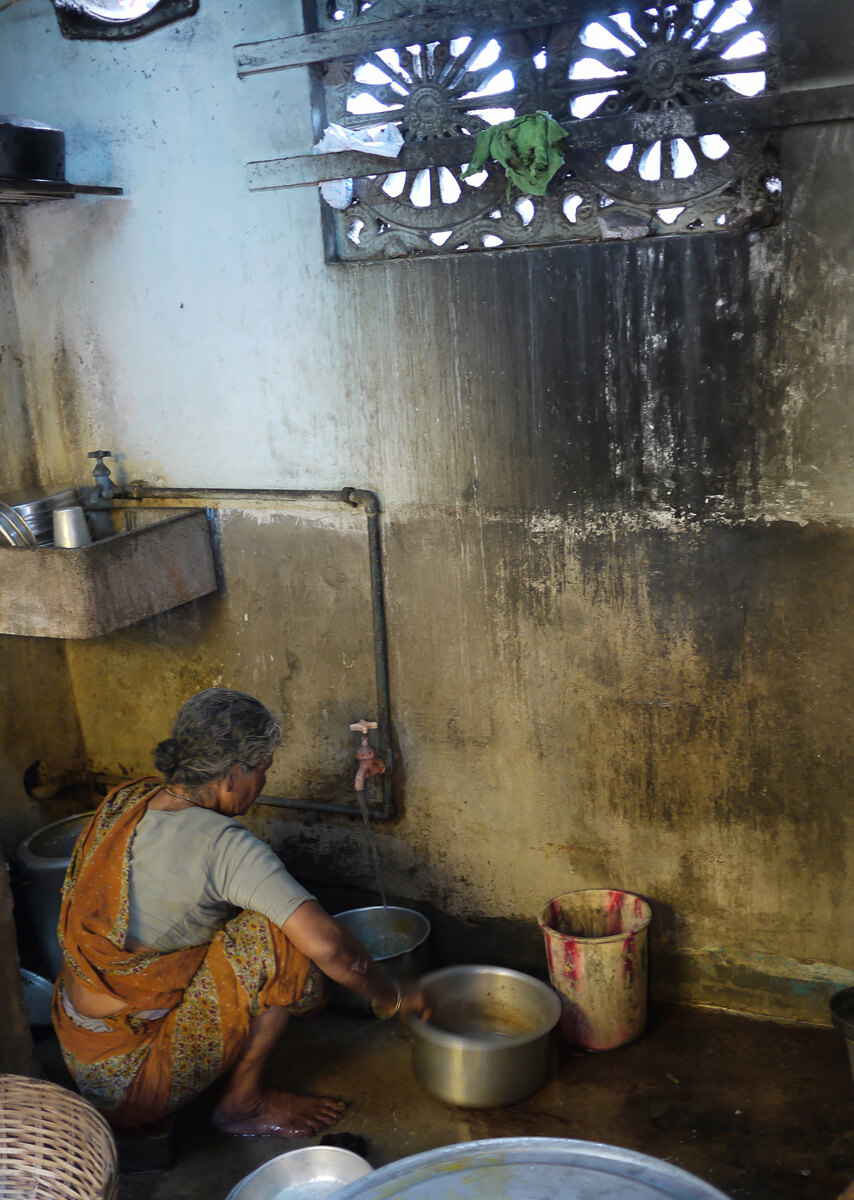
[53, 1144]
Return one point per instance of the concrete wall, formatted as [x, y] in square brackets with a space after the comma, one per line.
[38, 720]
[618, 524]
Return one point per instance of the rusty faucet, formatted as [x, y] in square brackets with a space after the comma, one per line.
[369, 764]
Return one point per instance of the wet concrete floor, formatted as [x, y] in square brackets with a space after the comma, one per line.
[761, 1110]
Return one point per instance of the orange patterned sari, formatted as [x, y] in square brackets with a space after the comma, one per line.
[133, 1067]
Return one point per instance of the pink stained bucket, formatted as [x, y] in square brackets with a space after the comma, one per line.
[596, 945]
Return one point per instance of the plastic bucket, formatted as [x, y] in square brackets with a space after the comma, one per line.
[596, 945]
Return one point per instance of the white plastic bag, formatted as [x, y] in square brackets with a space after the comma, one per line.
[338, 193]
[385, 140]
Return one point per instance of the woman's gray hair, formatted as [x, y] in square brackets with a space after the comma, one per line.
[213, 731]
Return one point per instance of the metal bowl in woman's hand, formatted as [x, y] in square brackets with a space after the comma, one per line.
[396, 938]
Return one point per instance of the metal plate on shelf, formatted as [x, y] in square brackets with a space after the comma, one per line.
[36, 506]
[31, 501]
[13, 527]
[530, 1169]
[120, 579]
[8, 534]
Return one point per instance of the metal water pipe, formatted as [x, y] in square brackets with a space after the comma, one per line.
[139, 495]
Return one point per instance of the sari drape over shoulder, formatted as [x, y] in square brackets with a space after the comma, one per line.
[186, 1013]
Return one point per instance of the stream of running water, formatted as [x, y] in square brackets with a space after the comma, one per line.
[363, 805]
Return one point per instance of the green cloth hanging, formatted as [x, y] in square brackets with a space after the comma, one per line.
[527, 148]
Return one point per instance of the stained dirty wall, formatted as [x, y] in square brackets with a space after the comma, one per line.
[618, 511]
[37, 711]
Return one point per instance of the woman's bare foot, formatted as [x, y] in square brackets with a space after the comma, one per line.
[277, 1114]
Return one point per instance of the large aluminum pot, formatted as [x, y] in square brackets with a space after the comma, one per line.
[396, 938]
[842, 1015]
[487, 1040]
[43, 859]
[310, 1173]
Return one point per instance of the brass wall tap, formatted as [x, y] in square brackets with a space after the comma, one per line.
[369, 764]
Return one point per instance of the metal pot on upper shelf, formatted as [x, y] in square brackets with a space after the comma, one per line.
[34, 507]
[398, 939]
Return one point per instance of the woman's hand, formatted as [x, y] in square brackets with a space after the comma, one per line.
[410, 1000]
[414, 1001]
[342, 957]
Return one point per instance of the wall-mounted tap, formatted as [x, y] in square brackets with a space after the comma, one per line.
[369, 764]
[101, 472]
[98, 500]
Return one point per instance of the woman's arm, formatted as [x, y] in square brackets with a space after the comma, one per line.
[342, 957]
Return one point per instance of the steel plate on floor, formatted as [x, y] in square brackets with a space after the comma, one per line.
[310, 1173]
[530, 1169]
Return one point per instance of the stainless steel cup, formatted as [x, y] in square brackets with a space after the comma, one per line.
[70, 528]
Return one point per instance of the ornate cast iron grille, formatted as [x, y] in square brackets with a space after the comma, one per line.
[602, 59]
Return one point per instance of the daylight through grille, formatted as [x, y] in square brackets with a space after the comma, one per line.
[625, 59]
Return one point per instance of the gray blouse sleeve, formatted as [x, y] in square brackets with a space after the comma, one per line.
[247, 873]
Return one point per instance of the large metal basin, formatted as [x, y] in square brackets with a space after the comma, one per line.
[525, 1168]
[396, 938]
[487, 1040]
[43, 859]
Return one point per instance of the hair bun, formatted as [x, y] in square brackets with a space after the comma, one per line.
[167, 756]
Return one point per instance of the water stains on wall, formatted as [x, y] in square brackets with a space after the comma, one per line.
[619, 494]
[658, 711]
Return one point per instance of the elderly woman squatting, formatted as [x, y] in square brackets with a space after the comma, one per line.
[186, 944]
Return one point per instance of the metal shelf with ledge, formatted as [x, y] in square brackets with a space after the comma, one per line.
[18, 191]
[32, 165]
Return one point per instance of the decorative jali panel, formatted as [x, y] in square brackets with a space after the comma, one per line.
[588, 61]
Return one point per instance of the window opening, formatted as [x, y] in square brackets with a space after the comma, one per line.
[630, 57]
[571, 206]
[525, 209]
